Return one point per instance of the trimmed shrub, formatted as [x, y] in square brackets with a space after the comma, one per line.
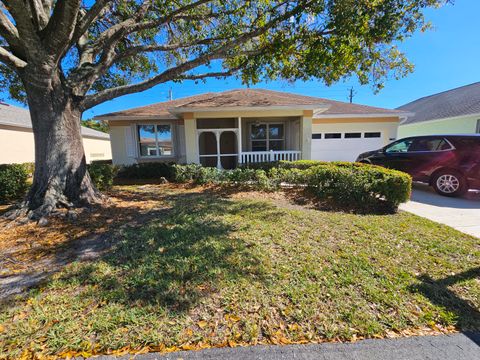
[153, 170]
[265, 166]
[365, 188]
[186, 173]
[306, 164]
[360, 187]
[102, 174]
[30, 167]
[13, 182]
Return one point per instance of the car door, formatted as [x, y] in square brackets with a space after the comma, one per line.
[427, 154]
[397, 155]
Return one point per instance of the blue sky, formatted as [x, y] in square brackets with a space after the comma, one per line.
[445, 57]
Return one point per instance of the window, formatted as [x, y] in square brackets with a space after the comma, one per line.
[155, 140]
[333, 136]
[429, 144]
[478, 126]
[399, 147]
[316, 136]
[353, 135]
[265, 137]
[369, 135]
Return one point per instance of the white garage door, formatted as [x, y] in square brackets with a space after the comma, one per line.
[344, 146]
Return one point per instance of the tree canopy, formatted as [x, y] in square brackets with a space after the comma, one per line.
[105, 49]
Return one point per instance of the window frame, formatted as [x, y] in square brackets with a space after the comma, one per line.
[327, 137]
[352, 137]
[267, 136]
[452, 147]
[155, 124]
[371, 133]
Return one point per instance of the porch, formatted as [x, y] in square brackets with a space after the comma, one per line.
[226, 143]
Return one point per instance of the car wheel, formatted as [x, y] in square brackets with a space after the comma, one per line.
[449, 183]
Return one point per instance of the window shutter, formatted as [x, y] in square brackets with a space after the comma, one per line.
[130, 142]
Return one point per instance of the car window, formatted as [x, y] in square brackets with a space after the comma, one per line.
[399, 147]
[429, 144]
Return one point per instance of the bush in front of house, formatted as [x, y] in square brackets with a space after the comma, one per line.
[13, 182]
[209, 175]
[362, 187]
[102, 174]
[152, 170]
[366, 188]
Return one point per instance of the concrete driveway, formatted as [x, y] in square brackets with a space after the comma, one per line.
[462, 214]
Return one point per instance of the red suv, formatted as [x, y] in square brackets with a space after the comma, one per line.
[449, 163]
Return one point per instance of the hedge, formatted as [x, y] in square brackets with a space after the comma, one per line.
[13, 182]
[361, 187]
[102, 174]
[153, 170]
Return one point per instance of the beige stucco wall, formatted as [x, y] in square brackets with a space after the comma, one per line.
[96, 149]
[17, 146]
[186, 139]
[457, 125]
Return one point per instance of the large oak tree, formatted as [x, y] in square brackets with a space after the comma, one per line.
[65, 56]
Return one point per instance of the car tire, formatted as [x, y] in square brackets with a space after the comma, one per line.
[449, 183]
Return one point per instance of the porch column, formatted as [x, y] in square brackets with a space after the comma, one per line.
[306, 134]
[218, 135]
[191, 139]
[239, 140]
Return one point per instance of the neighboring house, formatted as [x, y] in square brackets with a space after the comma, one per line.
[455, 111]
[248, 125]
[16, 138]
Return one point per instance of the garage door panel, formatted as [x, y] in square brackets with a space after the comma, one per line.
[343, 149]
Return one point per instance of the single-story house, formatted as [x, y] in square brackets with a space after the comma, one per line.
[17, 144]
[455, 111]
[248, 125]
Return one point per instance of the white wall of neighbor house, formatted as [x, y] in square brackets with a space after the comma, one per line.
[96, 149]
[347, 149]
[457, 125]
[17, 146]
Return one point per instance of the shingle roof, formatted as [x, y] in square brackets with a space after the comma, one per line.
[464, 100]
[248, 98]
[15, 116]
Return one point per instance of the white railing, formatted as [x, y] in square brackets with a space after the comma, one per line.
[269, 156]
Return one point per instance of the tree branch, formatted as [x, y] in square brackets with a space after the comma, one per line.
[26, 32]
[39, 16]
[60, 27]
[11, 60]
[215, 74]
[128, 26]
[175, 72]
[8, 31]
[87, 20]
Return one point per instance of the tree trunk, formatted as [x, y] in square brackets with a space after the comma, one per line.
[61, 177]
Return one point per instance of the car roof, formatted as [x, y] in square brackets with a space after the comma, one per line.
[474, 136]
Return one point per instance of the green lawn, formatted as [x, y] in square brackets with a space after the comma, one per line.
[213, 270]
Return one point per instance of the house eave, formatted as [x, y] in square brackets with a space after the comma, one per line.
[371, 115]
[135, 117]
[314, 107]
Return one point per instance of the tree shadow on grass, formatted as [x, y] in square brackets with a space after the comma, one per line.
[180, 256]
[437, 291]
